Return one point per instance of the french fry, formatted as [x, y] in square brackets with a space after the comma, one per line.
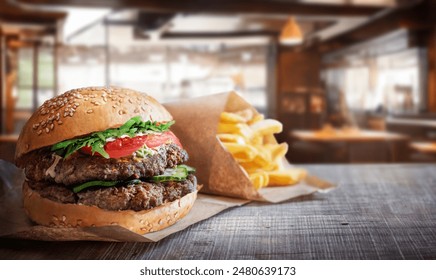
[263, 157]
[231, 138]
[256, 119]
[278, 151]
[246, 114]
[259, 179]
[228, 128]
[269, 139]
[251, 166]
[235, 128]
[267, 126]
[256, 139]
[232, 118]
[250, 139]
[298, 173]
[281, 178]
[242, 153]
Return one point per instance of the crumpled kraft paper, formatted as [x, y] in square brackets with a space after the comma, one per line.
[15, 224]
[196, 126]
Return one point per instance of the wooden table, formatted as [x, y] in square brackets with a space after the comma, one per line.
[346, 136]
[424, 147]
[355, 146]
[377, 212]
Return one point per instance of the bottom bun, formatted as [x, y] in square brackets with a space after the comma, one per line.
[46, 212]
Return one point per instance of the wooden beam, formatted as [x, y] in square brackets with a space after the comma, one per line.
[212, 35]
[14, 14]
[410, 18]
[220, 6]
[2, 78]
[431, 74]
[35, 76]
[208, 35]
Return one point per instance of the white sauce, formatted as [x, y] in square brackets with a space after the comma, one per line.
[51, 170]
[111, 139]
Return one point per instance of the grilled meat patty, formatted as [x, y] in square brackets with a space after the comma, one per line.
[80, 168]
[137, 197]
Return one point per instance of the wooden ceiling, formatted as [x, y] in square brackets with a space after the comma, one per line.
[222, 6]
[268, 15]
[14, 14]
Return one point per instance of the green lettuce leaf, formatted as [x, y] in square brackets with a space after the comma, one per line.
[97, 140]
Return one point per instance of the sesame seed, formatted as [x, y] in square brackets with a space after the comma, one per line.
[51, 126]
[60, 122]
[47, 130]
[114, 106]
[39, 132]
[136, 110]
[121, 112]
[89, 111]
[35, 126]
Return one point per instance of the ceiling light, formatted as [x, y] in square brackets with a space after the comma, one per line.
[291, 33]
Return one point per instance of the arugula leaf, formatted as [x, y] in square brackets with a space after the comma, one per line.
[97, 140]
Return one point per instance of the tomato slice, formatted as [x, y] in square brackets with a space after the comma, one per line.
[155, 140]
[123, 147]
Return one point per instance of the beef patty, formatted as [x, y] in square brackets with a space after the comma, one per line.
[80, 168]
[137, 197]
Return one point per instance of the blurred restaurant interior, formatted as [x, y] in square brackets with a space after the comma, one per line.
[352, 81]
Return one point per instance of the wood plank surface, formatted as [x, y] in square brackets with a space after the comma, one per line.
[377, 212]
[346, 136]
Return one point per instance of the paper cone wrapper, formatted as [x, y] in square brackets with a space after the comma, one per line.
[196, 126]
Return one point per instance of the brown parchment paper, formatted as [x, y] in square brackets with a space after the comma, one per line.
[196, 126]
[15, 224]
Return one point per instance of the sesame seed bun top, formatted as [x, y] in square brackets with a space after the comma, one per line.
[82, 111]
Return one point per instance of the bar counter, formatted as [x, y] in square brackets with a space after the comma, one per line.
[377, 212]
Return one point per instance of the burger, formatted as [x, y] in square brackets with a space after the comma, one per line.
[102, 156]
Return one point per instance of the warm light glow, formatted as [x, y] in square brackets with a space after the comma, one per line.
[291, 33]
